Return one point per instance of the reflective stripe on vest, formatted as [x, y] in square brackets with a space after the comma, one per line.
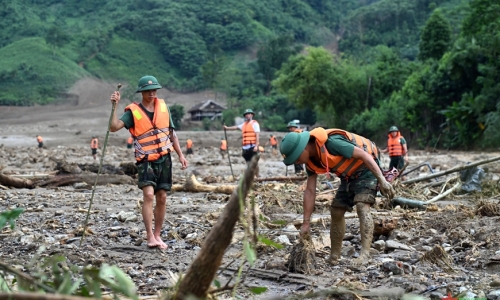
[273, 141]
[94, 144]
[151, 137]
[223, 145]
[394, 145]
[249, 135]
[341, 166]
[189, 143]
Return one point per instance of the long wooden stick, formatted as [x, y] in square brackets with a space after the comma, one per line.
[452, 170]
[201, 273]
[441, 196]
[100, 166]
[228, 155]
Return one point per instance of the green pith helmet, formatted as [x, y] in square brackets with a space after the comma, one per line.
[292, 124]
[393, 128]
[147, 83]
[248, 111]
[292, 146]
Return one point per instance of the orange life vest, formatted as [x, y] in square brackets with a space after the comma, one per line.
[152, 136]
[249, 135]
[273, 141]
[223, 145]
[130, 140]
[94, 143]
[394, 145]
[189, 143]
[341, 166]
[39, 139]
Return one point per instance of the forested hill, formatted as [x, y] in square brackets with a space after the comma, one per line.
[45, 45]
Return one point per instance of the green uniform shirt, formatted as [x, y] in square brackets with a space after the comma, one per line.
[340, 146]
[128, 120]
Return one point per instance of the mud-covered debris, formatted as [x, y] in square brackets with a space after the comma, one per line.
[303, 256]
[439, 257]
[488, 208]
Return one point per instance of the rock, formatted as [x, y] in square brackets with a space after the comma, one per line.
[80, 185]
[379, 245]
[348, 251]
[191, 236]
[126, 216]
[436, 296]
[322, 241]
[59, 213]
[395, 267]
[391, 244]
[283, 239]
[495, 283]
[27, 239]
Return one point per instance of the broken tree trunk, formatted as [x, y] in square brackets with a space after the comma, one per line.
[202, 270]
[281, 178]
[452, 170]
[15, 182]
[441, 196]
[88, 178]
[194, 186]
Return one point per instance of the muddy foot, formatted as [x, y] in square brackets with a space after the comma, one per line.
[152, 243]
[161, 244]
[362, 259]
[333, 259]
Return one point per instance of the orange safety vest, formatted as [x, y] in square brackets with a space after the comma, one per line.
[94, 143]
[189, 143]
[130, 140]
[341, 166]
[394, 145]
[39, 139]
[249, 135]
[223, 145]
[273, 141]
[152, 136]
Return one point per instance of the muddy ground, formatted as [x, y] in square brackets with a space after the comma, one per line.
[53, 215]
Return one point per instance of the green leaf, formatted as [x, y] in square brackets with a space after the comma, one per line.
[4, 287]
[10, 216]
[257, 290]
[217, 283]
[269, 242]
[249, 253]
[279, 222]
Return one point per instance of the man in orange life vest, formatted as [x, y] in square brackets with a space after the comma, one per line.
[94, 144]
[250, 130]
[223, 147]
[396, 146]
[274, 144]
[40, 142]
[293, 127]
[150, 124]
[189, 147]
[130, 142]
[355, 160]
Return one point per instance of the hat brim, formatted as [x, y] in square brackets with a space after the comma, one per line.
[149, 87]
[303, 140]
[253, 114]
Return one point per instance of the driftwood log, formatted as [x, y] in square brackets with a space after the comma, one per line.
[192, 185]
[452, 170]
[202, 270]
[16, 182]
[88, 178]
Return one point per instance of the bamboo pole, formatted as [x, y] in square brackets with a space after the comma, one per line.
[441, 196]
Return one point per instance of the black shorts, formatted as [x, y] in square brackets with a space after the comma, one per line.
[40, 145]
[248, 154]
[397, 162]
[189, 151]
[158, 175]
[129, 146]
[94, 151]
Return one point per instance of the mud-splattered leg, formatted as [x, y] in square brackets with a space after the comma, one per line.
[337, 231]
[366, 228]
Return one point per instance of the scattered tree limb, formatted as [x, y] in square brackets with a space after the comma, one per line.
[202, 270]
[88, 178]
[15, 182]
[441, 196]
[192, 185]
[281, 178]
[452, 170]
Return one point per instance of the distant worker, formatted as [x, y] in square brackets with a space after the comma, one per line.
[274, 144]
[130, 142]
[94, 144]
[223, 147]
[396, 146]
[250, 130]
[189, 147]
[293, 127]
[40, 142]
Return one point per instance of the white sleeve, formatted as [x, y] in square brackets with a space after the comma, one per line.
[256, 127]
[240, 127]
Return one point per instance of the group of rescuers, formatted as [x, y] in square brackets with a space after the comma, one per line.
[353, 158]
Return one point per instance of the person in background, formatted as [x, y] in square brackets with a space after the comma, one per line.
[94, 144]
[396, 146]
[274, 144]
[223, 147]
[39, 139]
[130, 142]
[189, 147]
[293, 127]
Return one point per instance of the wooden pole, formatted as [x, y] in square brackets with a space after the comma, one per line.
[228, 155]
[441, 196]
[201, 273]
[452, 170]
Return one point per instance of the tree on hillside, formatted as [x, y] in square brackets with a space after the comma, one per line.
[177, 113]
[56, 38]
[211, 71]
[435, 38]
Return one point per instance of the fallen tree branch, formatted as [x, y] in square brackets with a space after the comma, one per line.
[88, 178]
[202, 270]
[452, 170]
[26, 277]
[192, 185]
[281, 178]
[441, 196]
[19, 183]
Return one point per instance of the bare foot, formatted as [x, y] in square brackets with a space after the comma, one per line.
[362, 259]
[152, 243]
[161, 244]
